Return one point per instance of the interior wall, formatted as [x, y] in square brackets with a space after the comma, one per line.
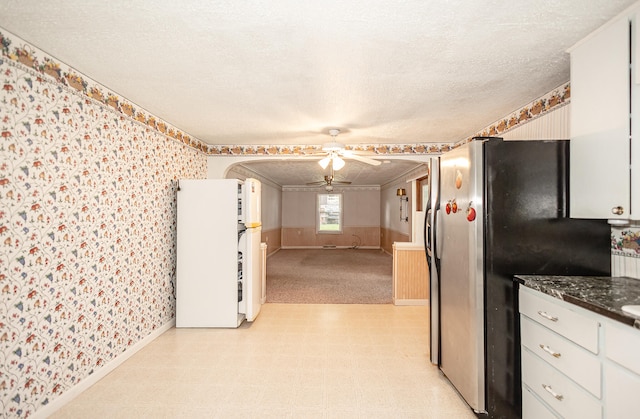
[88, 227]
[361, 219]
[553, 125]
[392, 227]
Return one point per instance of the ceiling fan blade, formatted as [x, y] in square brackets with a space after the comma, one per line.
[341, 182]
[363, 159]
[327, 181]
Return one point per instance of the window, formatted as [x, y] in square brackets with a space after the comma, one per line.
[329, 213]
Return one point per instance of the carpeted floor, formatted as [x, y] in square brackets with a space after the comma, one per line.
[329, 276]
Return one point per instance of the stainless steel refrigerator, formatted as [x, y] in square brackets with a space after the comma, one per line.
[498, 208]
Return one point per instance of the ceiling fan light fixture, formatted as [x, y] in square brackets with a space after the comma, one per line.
[325, 162]
[338, 163]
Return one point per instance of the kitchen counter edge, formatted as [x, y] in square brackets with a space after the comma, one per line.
[603, 295]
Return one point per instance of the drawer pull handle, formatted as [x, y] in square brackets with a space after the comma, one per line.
[548, 316]
[550, 351]
[549, 390]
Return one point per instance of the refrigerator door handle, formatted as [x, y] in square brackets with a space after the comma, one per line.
[437, 236]
[427, 235]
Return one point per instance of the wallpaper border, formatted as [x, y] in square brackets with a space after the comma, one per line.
[555, 99]
[626, 241]
[43, 65]
[40, 64]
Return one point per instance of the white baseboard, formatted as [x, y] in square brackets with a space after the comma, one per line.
[424, 302]
[90, 380]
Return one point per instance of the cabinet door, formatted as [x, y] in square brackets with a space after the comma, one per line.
[621, 393]
[600, 124]
[622, 344]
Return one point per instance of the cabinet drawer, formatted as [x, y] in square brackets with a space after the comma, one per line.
[555, 389]
[532, 408]
[572, 360]
[558, 317]
[622, 345]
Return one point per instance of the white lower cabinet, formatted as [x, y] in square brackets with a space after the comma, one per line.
[622, 371]
[533, 408]
[565, 375]
[622, 392]
[566, 322]
[622, 345]
[565, 356]
[557, 390]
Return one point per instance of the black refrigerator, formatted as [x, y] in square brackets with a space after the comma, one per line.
[496, 209]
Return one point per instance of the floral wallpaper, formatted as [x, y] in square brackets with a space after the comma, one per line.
[625, 250]
[87, 227]
[626, 241]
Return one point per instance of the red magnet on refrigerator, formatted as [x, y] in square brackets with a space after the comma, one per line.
[471, 213]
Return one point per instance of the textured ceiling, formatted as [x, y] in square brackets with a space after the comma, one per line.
[299, 172]
[284, 72]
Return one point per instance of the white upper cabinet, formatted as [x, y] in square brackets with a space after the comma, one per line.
[605, 113]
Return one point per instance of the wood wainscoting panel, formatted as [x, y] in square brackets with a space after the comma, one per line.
[410, 274]
[388, 237]
[367, 237]
[273, 239]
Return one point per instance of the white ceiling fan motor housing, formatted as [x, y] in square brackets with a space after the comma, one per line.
[333, 147]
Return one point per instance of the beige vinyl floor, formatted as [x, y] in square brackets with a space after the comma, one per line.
[293, 361]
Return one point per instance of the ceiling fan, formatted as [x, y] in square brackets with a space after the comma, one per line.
[329, 181]
[335, 152]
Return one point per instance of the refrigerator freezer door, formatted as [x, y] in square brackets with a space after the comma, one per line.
[461, 273]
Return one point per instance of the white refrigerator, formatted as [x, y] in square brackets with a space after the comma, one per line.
[218, 274]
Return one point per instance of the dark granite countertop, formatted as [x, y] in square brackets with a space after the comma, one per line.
[604, 295]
